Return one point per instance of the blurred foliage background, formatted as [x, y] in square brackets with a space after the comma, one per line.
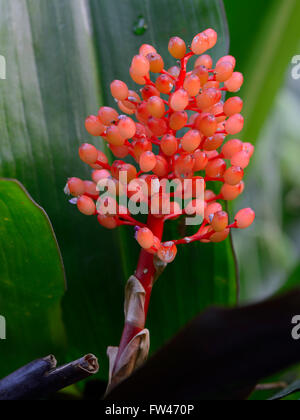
[266, 37]
[63, 54]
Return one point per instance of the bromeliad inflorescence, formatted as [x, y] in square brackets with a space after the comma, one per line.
[179, 135]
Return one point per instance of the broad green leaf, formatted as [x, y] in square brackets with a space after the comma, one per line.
[293, 280]
[61, 57]
[265, 38]
[31, 280]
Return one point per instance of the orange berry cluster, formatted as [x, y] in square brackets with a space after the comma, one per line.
[175, 127]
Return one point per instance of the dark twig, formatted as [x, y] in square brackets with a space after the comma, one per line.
[41, 378]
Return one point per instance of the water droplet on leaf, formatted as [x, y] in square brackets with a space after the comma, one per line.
[140, 25]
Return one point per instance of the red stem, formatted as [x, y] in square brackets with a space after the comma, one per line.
[145, 273]
[182, 74]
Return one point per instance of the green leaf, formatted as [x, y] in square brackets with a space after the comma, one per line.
[293, 281]
[63, 55]
[31, 280]
[264, 39]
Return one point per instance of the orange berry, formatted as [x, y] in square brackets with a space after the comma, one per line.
[220, 221]
[245, 218]
[177, 47]
[86, 205]
[155, 247]
[200, 44]
[132, 101]
[231, 148]
[120, 166]
[123, 108]
[194, 207]
[126, 126]
[204, 60]
[191, 140]
[248, 148]
[119, 151]
[212, 37]
[208, 98]
[156, 62]
[147, 161]
[140, 65]
[212, 155]
[146, 49]
[192, 85]
[156, 107]
[218, 109]
[94, 126]
[119, 90]
[209, 195]
[202, 73]
[75, 187]
[201, 160]
[88, 153]
[162, 167]
[114, 137]
[142, 113]
[141, 130]
[233, 106]
[102, 157]
[234, 124]
[220, 236]
[167, 252]
[158, 126]
[235, 82]
[174, 71]
[241, 159]
[233, 175]
[184, 165]
[145, 238]
[211, 84]
[109, 222]
[179, 100]
[169, 144]
[107, 115]
[207, 124]
[215, 168]
[224, 71]
[140, 80]
[100, 174]
[211, 209]
[227, 59]
[164, 83]
[231, 192]
[149, 91]
[140, 146]
[178, 120]
[213, 143]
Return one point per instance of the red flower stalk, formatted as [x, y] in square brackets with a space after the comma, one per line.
[179, 135]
